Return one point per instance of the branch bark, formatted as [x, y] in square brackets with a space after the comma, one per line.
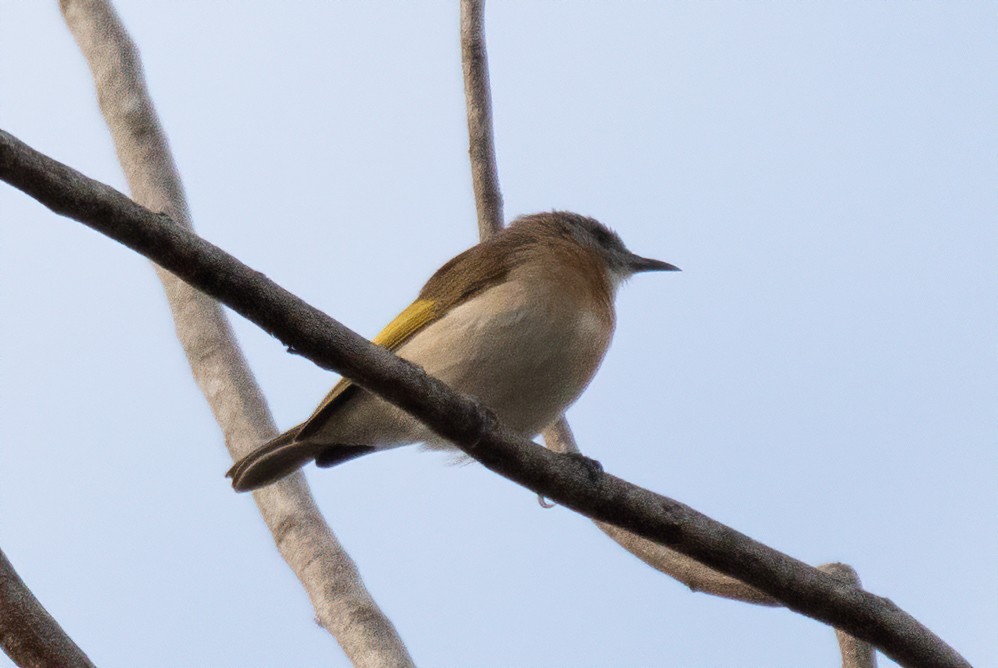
[28, 633]
[478, 101]
[463, 421]
[342, 604]
[558, 437]
[691, 573]
[855, 653]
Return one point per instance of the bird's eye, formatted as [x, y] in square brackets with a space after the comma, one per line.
[605, 238]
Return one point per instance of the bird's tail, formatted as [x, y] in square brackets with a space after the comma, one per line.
[270, 462]
[283, 455]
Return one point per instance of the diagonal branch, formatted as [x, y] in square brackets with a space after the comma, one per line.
[856, 653]
[698, 577]
[28, 633]
[463, 421]
[342, 604]
[690, 572]
[558, 437]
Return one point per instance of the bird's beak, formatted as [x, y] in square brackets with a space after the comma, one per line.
[639, 263]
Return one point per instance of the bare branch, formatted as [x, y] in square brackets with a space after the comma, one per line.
[342, 604]
[693, 574]
[856, 653]
[488, 199]
[558, 437]
[478, 100]
[462, 420]
[28, 633]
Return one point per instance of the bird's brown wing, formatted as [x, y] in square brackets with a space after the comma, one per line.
[418, 315]
[470, 273]
[460, 279]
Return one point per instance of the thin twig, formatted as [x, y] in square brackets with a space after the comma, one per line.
[28, 633]
[465, 422]
[478, 97]
[558, 437]
[342, 604]
[698, 577]
[693, 574]
[856, 653]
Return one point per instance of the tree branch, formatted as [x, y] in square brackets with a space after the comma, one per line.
[463, 421]
[478, 101]
[342, 604]
[698, 577]
[856, 653]
[28, 633]
[558, 437]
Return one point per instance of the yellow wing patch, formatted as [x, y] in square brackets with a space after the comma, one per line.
[418, 315]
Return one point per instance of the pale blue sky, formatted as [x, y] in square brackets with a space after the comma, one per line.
[821, 376]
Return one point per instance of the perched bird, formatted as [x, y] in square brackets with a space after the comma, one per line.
[521, 321]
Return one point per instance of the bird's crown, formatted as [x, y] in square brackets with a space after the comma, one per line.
[590, 234]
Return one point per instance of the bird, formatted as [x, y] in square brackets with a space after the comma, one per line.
[521, 322]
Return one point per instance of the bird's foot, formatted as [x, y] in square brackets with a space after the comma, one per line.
[594, 470]
[543, 502]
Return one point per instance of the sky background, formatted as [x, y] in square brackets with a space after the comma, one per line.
[822, 375]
